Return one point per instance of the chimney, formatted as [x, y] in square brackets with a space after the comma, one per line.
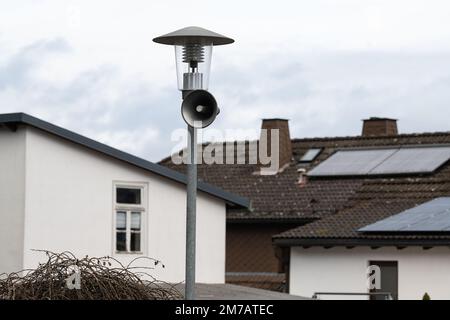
[379, 127]
[285, 146]
[302, 177]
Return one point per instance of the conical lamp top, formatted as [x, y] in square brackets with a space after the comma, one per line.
[193, 35]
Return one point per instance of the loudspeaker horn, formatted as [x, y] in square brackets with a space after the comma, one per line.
[199, 109]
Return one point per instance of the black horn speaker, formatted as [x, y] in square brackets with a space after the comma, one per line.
[199, 109]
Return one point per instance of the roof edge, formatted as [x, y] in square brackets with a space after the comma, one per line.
[268, 220]
[355, 242]
[359, 137]
[23, 118]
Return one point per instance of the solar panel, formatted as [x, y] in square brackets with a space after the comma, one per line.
[351, 162]
[432, 216]
[414, 160]
[310, 155]
[383, 161]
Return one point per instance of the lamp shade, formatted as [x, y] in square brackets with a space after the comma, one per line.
[194, 35]
[193, 50]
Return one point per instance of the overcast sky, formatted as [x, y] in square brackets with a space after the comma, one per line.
[91, 66]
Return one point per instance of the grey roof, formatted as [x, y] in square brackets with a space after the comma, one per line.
[23, 118]
[225, 291]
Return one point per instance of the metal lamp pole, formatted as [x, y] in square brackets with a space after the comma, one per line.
[193, 49]
[191, 214]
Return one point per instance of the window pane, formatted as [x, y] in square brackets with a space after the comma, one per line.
[128, 196]
[121, 220]
[310, 155]
[135, 244]
[121, 241]
[136, 221]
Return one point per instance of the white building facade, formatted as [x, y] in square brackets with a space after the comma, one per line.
[63, 192]
[345, 270]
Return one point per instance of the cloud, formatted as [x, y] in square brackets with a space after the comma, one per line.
[325, 65]
[324, 94]
[328, 93]
[18, 69]
[99, 102]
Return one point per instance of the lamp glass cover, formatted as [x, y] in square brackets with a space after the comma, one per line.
[193, 65]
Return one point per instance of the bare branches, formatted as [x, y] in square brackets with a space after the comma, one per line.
[103, 278]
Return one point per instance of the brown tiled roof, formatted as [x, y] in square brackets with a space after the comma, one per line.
[376, 199]
[338, 207]
[276, 196]
[280, 197]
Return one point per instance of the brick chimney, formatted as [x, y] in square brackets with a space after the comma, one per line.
[285, 146]
[379, 127]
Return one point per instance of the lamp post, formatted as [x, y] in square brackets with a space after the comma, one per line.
[193, 50]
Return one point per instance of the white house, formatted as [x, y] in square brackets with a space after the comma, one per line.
[339, 271]
[61, 191]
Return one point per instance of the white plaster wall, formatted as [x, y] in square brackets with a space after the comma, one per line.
[12, 182]
[344, 270]
[69, 206]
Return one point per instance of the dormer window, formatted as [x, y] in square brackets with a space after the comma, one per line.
[310, 155]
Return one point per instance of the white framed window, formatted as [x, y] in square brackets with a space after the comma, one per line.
[129, 217]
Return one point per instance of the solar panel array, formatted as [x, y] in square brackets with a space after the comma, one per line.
[411, 160]
[383, 161]
[432, 216]
[351, 162]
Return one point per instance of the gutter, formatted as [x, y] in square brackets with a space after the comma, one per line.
[263, 220]
[358, 242]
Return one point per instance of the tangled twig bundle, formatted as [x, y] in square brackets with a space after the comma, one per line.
[102, 278]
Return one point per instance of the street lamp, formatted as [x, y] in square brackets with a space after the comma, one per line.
[193, 50]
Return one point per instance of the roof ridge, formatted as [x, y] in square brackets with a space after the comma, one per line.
[402, 135]
[308, 139]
